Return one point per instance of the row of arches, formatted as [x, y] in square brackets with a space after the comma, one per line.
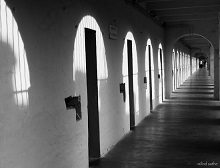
[181, 67]
[88, 32]
[84, 69]
[79, 60]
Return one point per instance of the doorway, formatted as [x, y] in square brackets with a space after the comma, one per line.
[131, 84]
[92, 96]
[173, 70]
[150, 78]
[160, 75]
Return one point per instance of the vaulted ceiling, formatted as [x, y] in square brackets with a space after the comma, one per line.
[181, 10]
[177, 12]
[195, 42]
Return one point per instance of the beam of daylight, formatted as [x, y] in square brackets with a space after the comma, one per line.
[147, 69]
[161, 73]
[79, 57]
[10, 35]
[130, 36]
[173, 69]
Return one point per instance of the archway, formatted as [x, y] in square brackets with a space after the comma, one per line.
[14, 91]
[19, 72]
[130, 78]
[174, 69]
[89, 74]
[161, 73]
[149, 68]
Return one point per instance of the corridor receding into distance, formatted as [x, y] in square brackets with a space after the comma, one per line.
[183, 131]
[109, 83]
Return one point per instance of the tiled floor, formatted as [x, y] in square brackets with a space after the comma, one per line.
[182, 132]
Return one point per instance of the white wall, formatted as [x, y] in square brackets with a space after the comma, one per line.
[47, 135]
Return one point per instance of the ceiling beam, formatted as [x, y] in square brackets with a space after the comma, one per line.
[179, 4]
[195, 39]
[144, 1]
[189, 17]
[195, 10]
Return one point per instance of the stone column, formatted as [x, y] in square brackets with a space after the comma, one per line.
[216, 74]
[190, 63]
[208, 62]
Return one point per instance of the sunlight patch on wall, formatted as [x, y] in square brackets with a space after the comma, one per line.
[79, 59]
[11, 36]
[79, 55]
[188, 65]
[181, 68]
[161, 73]
[193, 64]
[147, 64]
[130, 36]
[173, 68]
[177, 70]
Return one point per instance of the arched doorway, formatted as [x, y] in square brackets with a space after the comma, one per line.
[130, 78]
[89, 68]
[161, 73]
[149, 66]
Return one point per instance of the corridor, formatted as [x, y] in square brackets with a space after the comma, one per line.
[183, 131]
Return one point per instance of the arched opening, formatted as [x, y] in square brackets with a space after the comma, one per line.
[177, 70]
[161, 73]
[149, 67]
[201, 60]
[14, 90]
[188, 66]
[181, 68]
[130, 78]
[89, 74]
[196, 43]
[13, 60]
[174, 69]
[184, 66]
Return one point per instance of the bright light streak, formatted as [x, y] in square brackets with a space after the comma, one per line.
[152, 68]
[129, 36]
[79, 55]
[79, 59]
[177, 71]
[11, 36]
[161, 72]
[173, 68]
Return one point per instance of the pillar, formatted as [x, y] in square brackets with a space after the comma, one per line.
[208, 62]
[216, 74]
[190, 63]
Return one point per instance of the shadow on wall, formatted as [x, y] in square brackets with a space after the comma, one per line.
[125, 67]
[13, 116]
[14, 50]
[80, 76]
[14, 84]
[7, 63]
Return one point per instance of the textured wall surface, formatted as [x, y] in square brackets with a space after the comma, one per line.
[43, 134]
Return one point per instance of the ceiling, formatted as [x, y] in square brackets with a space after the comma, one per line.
[195, 42]
[177, 12]
[167, 11]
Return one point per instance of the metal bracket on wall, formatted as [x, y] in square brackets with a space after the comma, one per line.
[74, 102]
[122, 90]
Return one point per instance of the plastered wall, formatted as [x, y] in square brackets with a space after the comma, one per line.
[46, 134]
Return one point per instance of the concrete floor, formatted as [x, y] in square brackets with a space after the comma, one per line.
[182, 132]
